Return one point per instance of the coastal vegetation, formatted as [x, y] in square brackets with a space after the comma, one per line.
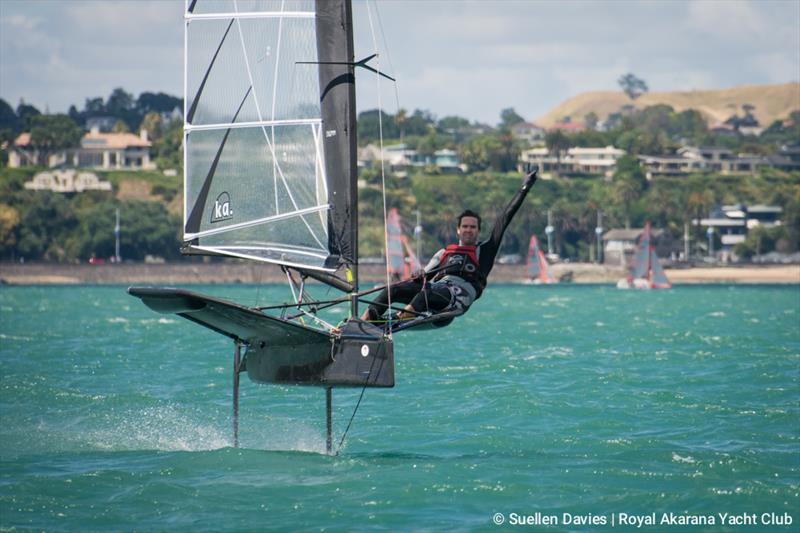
[39, 225]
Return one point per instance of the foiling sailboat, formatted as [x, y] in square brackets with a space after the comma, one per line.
[402, 261]
[537, 266]
[270, 176]
[646, 272]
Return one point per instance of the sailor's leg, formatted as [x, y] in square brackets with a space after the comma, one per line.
[402, 293]
[435, 297]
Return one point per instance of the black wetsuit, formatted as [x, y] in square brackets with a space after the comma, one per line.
[434, 292]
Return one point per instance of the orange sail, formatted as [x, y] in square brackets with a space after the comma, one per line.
[538, 268]
[402, 262]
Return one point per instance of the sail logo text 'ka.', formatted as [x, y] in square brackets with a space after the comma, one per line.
[222, 208]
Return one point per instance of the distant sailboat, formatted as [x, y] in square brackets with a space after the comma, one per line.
[646, 272]
[538, 268]
[402, 262]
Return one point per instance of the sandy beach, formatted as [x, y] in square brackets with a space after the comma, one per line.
[182, 273]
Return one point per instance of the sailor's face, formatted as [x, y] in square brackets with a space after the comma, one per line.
[468, 231]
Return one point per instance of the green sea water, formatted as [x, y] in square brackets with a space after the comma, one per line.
[567, 408]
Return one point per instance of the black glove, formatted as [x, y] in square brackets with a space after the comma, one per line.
[530, 177]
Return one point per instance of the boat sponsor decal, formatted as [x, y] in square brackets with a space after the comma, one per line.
[222, 208]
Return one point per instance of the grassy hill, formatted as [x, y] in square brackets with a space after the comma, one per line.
[772, 102]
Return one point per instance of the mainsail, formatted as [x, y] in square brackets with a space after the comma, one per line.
[538, 268]
[269, 132]
[646, 271]
[402, 262]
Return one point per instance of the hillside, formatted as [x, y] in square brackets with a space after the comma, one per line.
[772, 102]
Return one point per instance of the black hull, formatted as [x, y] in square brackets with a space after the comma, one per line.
[283, 352]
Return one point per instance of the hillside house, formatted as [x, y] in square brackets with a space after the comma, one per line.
[787, 158]
[592, 161]
[528, 132]
[106, 151]
[722, 160]
[732, 223]
[690, 160]
[399, 157]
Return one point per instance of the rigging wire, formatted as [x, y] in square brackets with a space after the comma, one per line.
[383, 169]
[385, 223]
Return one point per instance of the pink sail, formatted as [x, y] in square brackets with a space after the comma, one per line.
[646, 271]
[402, 262]
[538, 268]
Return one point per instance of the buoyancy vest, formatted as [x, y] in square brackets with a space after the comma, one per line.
[462, 261]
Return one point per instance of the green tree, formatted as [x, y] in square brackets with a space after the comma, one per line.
[157, 102]
[453, 124]
[629, 184]
[509, 117]
[591, 119]
[52, 133]
[401, 118]
[121, 127]
[476, 152]
[120, 102]
[632, 86]
[94, 107]
[557, 143]
[8, 120]
[369, 126]
[168, 148]
[45, 223]
[151, 123]
[9, 222]
[25, 115]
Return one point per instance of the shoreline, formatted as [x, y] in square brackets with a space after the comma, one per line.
[184, 273]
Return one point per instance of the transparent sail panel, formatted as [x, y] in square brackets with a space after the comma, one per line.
[228, 57]
[200, 7]
[255, 183]
[641, 261]
[660, 279]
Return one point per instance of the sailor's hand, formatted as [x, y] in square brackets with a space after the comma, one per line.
[530, 177]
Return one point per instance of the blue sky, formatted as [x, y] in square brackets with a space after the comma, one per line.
[451, 57]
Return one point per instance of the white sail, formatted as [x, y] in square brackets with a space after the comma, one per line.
[255, 177]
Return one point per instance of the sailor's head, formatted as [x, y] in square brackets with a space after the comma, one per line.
[469, 227]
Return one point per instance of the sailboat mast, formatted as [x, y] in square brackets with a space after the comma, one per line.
[335, 53]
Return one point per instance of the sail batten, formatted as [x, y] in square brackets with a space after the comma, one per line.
[258, 222]
[251, 15]
[255, 123]
[275, 165]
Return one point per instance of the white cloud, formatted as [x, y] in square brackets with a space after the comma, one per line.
[776, 67]
[471, 58]
[730, 20]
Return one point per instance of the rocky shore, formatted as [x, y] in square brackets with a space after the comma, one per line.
[183, 273]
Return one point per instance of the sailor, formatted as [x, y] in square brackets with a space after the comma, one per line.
[456, 275]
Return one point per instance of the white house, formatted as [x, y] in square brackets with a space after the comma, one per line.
[600, 161]
[97, 150]
[528, 132]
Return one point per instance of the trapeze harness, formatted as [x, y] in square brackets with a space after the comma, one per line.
[462, 261]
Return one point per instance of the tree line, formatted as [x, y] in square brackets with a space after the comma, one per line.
[51, 133]
[49, 226]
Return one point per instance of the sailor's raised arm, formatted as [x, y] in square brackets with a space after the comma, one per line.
[513, 206]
